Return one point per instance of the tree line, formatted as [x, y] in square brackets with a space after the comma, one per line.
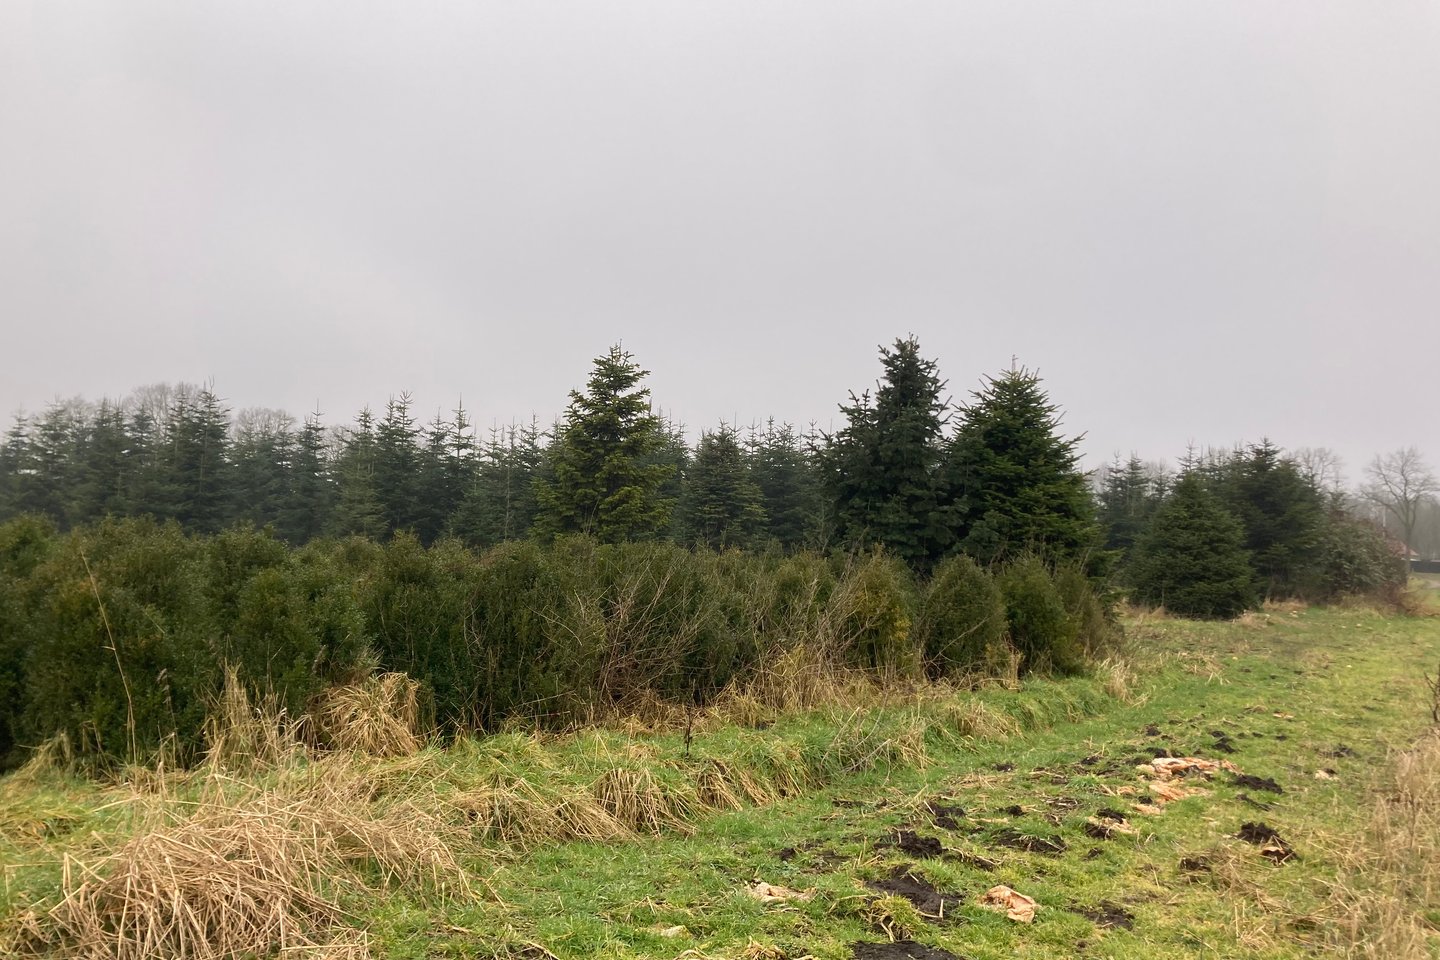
[894, 475]
[908, 471]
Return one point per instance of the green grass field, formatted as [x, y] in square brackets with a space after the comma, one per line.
[884, 824]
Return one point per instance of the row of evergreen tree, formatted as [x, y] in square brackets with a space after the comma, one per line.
[1234, 527]
[908, 471]
[894, 474]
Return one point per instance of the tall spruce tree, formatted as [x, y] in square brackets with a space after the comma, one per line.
[198, 443]
[499, 500]
[1129, 497]
[358, 510]
[1281, 512]
[882, 468]
[396, 475]
[262, 453]
[310, 496]
[602, 477]
[720, 506]
[789, 484]
[1192, 559]
[104, 467]
[1016, 482]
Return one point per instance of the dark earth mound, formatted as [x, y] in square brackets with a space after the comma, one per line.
[1256, 783]
[918, 846]
[918, 890]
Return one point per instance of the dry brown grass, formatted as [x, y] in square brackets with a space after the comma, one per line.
[973, 718]
[54, 756]
[1390, 876]
[520, 814]
[219, 868]
[379, 716]
[1117, 677]
[222, 883]
[637, 799]
[245, 735]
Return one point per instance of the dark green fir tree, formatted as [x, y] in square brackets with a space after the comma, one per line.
[602, 477]
[1192, 559]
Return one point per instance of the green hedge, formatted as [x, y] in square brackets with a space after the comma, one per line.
[119, 634]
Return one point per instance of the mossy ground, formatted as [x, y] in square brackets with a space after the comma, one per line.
[1285, 695]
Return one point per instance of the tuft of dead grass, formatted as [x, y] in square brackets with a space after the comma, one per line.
[378, 716]
[245, 735]
[221, 884]
[973, 718]
[1117, 678]
[640, 801]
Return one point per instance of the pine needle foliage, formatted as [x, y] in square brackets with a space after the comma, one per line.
[600, 480]
[1016, 480]
[1192, 559]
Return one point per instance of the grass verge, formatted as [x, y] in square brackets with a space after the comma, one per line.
[873, 829]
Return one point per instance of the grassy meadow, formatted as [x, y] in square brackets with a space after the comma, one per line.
[870, 825]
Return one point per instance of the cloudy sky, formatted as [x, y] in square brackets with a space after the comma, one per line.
[1201, 221]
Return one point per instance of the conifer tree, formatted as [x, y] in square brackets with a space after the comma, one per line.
[1192, 559]
[310, 496]
[499, 502]
[1281, 512]
[261, 452]
[789, 485]
[397, 462]
[720, 506]
[104, 466]
[1016, 481]
[358, 510]
[1128, 499]
[602, 478]
[883, 466]
[198, 444]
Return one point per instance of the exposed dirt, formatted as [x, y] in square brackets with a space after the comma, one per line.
[1051, 845]
[946, 816]
[900, 950]
[1340, 752]
[1151, 730]
[1108, 914]
[1109, 813]
[918, 846]
[1253, 782]
[1195, 864]
[919, 891]
[1272, 845]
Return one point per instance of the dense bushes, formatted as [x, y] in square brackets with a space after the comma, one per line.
[119, 635]
[1041, 629]
[962, 620]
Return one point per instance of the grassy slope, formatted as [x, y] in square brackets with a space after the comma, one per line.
[1337, 678]
[1349, 679]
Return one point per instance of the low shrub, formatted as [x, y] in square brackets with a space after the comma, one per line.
[962, 618]
[1041, 629]
[871, 611]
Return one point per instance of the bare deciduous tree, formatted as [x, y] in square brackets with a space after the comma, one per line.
[1400, 482]
[1322, 467]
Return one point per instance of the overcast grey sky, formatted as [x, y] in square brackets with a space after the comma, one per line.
[1201, 221]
